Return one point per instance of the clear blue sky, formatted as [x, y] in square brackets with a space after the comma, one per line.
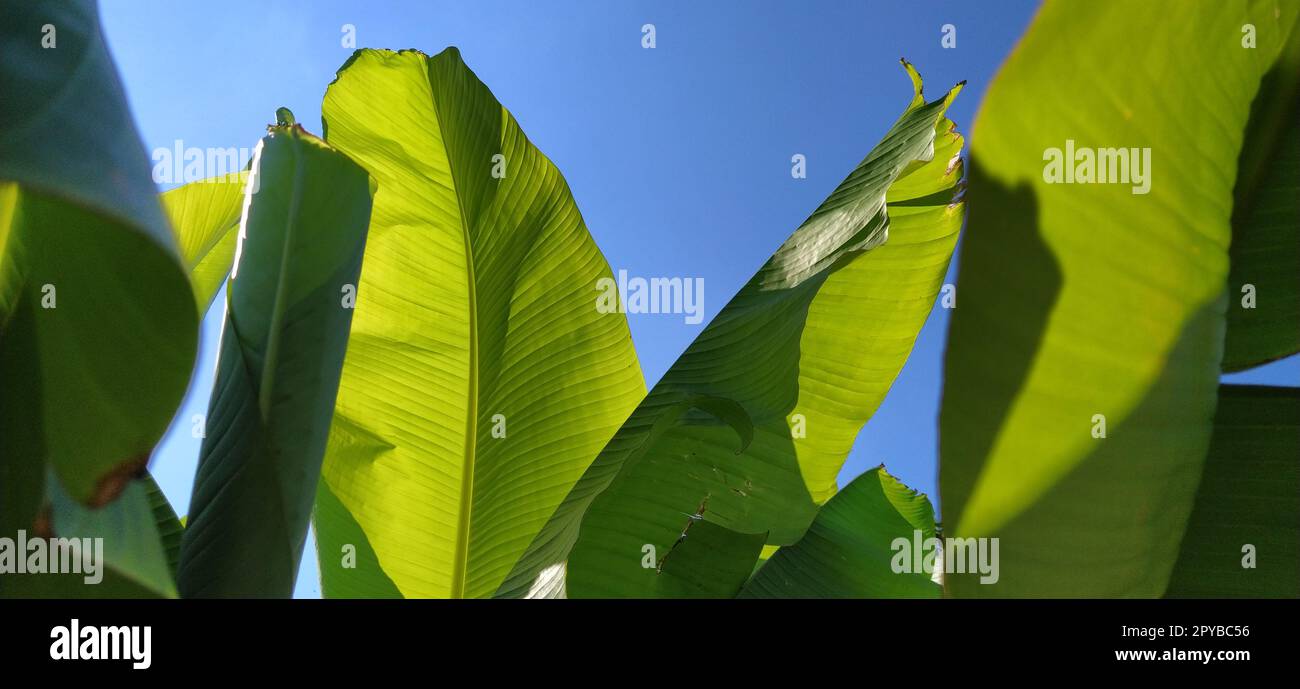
[679, 157]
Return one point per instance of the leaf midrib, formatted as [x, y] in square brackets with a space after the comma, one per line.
[460, 561]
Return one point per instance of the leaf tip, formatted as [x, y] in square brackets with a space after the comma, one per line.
[915, 76]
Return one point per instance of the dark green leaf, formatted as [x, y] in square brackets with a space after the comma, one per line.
[288, 313]
[849, 551]
[1248, 500]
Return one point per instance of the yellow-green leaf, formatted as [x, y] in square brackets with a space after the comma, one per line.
[1083, 361]
[480, 379]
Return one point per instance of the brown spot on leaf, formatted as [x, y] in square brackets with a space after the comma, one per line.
[116, 481]
[43, 525]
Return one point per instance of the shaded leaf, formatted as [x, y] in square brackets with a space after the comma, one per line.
[111, 552]
[707, 561]
[849, 551]
[1249, 496]
[96, 327]
[282, 346]
[1085, 305]
[1265, 251]
[170, 528]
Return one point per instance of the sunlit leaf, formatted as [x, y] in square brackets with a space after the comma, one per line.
[205, 216]
[805, 351]
[480, 378]
[1083, 361]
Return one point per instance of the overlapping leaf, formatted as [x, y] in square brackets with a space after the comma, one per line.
[1083, 361]
[301, 242]
[97, 331]
[121, 550]
[849, 551]
[1263, 292]
[205, 217]
[1243, 537]
[805, 351]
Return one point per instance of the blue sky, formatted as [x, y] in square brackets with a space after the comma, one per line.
[678, 157]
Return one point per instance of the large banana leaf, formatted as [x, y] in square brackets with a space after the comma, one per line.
[1243, 538]
[1090, 304]
[799, 359]
[97, 331]
[480, 379]
[849, 552]
[301, 242]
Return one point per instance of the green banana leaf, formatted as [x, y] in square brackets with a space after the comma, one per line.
[299, 257]
[802, 355]
[205, 217]
[115, 551]
[1263, 292]
[1083, 361]
[341, 545]
[706, 561]
[97, 331]
[1243, 538]
[170, 528]
[850, 549]
[480, 379]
